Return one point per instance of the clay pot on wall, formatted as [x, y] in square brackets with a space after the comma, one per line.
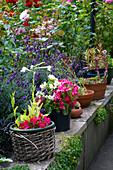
[76, 113]
[85, 99]
[99, 90]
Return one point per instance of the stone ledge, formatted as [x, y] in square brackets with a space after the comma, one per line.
[78, 126]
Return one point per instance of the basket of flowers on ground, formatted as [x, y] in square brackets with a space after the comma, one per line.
[33, 134]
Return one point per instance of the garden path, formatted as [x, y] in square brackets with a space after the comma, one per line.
[104, 157]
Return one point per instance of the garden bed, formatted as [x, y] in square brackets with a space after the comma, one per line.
[93, 135]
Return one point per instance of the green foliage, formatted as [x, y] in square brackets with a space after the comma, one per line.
[67, 158]
[100, 115]
[4, 159]
[104, 24]
[18, 167]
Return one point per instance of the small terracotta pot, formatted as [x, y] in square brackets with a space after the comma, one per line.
[75, 113]
[99, 90]
[85, 99]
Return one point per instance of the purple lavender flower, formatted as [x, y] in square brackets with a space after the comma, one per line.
[3, 68]
[8, 82]
[11, 78]
[7, 73]
[23, 83]
[39, 88]
[53, 70]
[23, 98]
[35, 81]
[52, 93]
[1, 90]
[62, 75]
[27, 56]
[46, 55]
[58, 77]
[0, 51]
[15, 65]
[29, 67]
[27, 83]
[1, 78]
[33, 63]
[29, 91]
[15, 72]
[57, 74]
[13, 59]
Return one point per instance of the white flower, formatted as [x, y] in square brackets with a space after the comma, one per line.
[24, 15]
[43, 85]
[49, 68]
[51, 86]
[51, 97]
[24, 69]
[31, 67]
[52, 77]
[39, 93]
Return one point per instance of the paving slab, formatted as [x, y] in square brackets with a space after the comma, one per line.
[103, 160]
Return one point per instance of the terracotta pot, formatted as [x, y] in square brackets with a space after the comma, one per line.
[75, 113]
[86, 99]
[99, 90]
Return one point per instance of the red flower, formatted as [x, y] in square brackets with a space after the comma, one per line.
[26, 23]
[37, 5]
[29, 4]
[36, 1]
[11, 1]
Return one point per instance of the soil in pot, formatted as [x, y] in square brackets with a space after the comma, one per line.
[85, 99]
[76, 113]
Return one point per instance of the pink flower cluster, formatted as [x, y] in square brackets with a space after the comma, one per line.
[34, 122]
[108, 1]
[66, 94]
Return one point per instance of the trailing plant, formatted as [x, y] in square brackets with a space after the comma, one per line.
[18, 167]
[100, 115]
[4, 159]
[69, 154]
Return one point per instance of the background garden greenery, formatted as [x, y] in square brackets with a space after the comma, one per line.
[55, 33]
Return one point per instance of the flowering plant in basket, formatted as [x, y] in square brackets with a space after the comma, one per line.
[58, 94]
[34, 118]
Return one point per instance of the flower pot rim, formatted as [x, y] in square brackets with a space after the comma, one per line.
[33, 130]
[91, 92]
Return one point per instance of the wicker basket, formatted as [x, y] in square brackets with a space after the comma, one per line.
[33, 145]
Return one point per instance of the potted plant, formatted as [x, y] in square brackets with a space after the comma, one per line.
[97, 60]
[58, 98]
[33, 134]
[77, 111]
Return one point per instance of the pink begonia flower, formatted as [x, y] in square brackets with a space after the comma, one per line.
[68, 0]
[47, 120]
[104, 51]
[24, 15]
[108, 1]
[41, 124]
[33, 121]
[62, 107]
